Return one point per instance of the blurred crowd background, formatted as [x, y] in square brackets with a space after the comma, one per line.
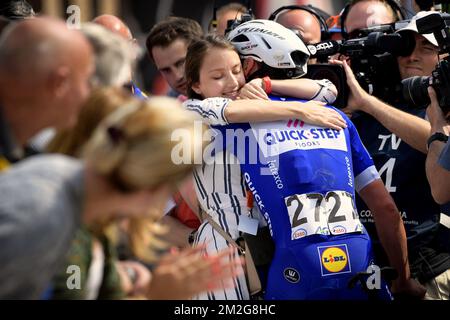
[141, 15]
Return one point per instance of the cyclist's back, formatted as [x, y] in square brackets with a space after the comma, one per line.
[304, 185]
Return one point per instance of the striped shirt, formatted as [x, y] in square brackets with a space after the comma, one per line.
[221, 189]
[221, 192]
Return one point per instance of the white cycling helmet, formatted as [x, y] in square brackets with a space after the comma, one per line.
[269, 42]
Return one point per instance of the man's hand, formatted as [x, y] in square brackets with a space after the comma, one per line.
[410, 287]
[182, 275]
[435, 114]
[253, 90]
[358, 97]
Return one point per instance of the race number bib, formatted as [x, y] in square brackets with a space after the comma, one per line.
[314, 213]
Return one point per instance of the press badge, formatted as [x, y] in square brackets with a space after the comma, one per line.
[248, 225]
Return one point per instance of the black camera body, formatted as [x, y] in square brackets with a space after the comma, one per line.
[373, 61]
[233, 24]
[415, 89]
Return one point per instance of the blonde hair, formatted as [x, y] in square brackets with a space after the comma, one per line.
[134, 145]
[129, 141]
[101, 104]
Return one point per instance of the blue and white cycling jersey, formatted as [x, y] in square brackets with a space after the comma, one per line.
[303, 179]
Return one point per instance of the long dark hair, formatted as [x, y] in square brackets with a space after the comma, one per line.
[196, 55]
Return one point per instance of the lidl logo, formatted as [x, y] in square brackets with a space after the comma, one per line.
[334, 260]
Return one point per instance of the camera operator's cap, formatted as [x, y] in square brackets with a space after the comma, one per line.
[412, 26]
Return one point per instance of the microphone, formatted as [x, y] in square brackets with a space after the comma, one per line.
[324, 49]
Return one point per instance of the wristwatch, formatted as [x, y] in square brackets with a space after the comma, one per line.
[437, 136]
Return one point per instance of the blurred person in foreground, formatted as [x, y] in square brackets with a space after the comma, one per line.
[45, 72]
[114, 60]
[118, 178]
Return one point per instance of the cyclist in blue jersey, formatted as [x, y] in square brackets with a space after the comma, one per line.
[312, 178]
[220, 186]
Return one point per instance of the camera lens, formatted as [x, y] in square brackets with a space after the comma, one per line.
[415, 91]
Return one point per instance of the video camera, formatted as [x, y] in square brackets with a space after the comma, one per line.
[373, 61]
[373, 56]
[232, 24]
[415, 89]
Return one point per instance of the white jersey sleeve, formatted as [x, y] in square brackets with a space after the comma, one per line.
[212, 110]
[326, 92]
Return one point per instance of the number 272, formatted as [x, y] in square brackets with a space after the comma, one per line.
[332, 218]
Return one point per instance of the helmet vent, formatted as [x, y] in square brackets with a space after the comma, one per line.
[266, 43]
[241, 38]
[299, 58]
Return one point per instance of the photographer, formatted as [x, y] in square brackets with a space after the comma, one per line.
[303, 22]
[307, 22]
[396, 138]
[421, 62]
[438, 158]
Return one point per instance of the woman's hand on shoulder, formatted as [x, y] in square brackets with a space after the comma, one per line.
[183, 274]
[315, 113]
